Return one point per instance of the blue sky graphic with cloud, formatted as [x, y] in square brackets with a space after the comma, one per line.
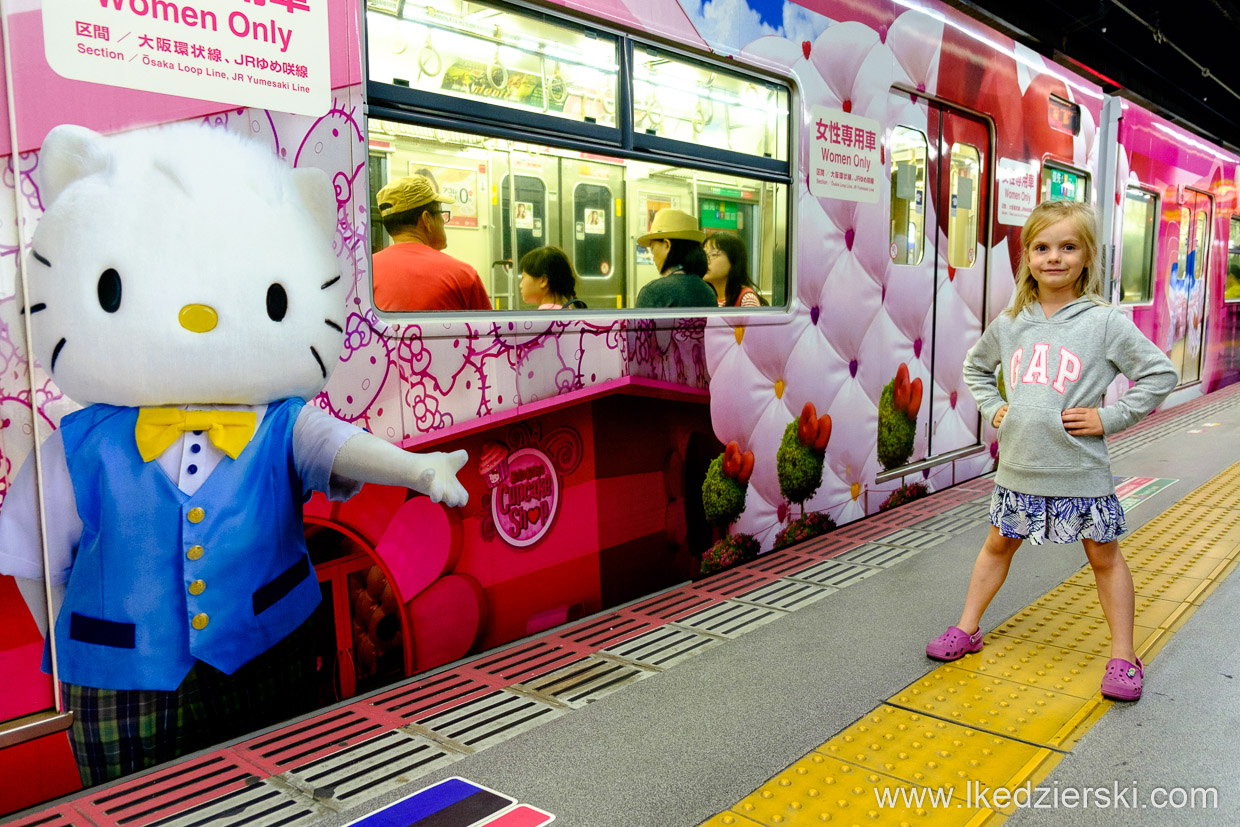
[730, 25]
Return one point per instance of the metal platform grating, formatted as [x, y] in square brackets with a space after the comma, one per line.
[424, 697]
[62, 816]
[601, 632]
[954, 524]
[672, 605]
[525, 660]
[732, 582]
[371, 768]
[264, 804]
[730, 619]
[876, 554]
[149, 798]
[296, 745]
[664, 647]
[585, 682]
[836, 573]
[489, 720]
[786, 595]
[918, 538]
[780, 563]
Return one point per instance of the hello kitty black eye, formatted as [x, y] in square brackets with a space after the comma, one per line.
[277, 302]
[110, 290]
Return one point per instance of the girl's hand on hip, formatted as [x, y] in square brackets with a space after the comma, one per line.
[1002, 412]
[1082, 422]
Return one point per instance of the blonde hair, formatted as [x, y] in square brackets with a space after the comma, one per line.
[1085, 222]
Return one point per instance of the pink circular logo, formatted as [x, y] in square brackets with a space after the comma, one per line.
[525, 502]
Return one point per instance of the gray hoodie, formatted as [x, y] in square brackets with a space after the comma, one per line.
[1050, 365]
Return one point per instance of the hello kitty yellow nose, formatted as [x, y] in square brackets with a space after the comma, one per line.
[198, 318]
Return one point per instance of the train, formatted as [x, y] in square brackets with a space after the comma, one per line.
[877, 160]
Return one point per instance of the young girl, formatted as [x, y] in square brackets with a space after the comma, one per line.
[1059, 346]
[548, 279]
[728, 271]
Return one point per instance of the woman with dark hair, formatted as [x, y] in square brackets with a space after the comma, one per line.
[675, 244]
[728, 271]
[548, 279]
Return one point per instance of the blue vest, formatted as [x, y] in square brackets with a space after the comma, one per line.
[161, 579]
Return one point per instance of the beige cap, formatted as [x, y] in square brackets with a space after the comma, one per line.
[671, 223]
[408, 193]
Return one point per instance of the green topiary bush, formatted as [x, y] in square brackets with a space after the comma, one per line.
[723, 498]
[799, 467]
[895, 431]
[728, 552]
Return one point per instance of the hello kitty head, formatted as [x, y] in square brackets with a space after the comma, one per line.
[182, 264]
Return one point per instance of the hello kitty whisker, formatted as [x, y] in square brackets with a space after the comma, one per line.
[334, 326]
[34, 308]
[55, 355]
[312, 350]
[327, 284]
[42, 260]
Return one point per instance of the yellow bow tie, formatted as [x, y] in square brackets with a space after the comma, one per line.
[158, 428]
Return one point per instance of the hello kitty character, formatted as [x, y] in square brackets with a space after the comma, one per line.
[183, 288]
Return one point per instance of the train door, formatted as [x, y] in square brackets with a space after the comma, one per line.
[593, 221]
[1186, 285]
[525, 216]
[962, 171]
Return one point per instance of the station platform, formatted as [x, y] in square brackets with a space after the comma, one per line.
[795, 690]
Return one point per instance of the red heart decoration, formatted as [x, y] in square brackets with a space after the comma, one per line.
[807, 425]
[732, 460]
[914, 399]
[533, 514]
[805, 48]
[824, 433]
[746, 468]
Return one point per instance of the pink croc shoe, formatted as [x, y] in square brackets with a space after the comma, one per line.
[1122, 680]
[954, 644]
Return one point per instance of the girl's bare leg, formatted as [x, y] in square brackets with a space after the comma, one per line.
[1115, 593]
[989, 572]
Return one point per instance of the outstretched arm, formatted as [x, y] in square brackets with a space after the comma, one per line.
[367, 458]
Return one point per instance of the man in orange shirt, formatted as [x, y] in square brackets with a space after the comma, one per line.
[413, 273]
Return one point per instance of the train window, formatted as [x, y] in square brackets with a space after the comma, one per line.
[476, 52]
[1232, 288]
[687, 101]
[1140, 232]
[966, 166]
[513, 113]
[908, 195]
[512, 197]
[1063, 115]
[1063, 184]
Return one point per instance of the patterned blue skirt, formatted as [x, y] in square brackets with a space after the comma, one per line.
[1057, 519]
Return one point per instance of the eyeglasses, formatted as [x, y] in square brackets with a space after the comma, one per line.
[712, 254]
[447, 215]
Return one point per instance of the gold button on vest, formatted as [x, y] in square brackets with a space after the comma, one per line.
[194, 552]
[198, 587]
[200, 621]
[196, 514]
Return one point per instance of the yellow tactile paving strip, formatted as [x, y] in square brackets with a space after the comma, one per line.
[1006, 715]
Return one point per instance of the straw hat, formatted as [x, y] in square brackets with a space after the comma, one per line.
[671, 223]
[408, 193]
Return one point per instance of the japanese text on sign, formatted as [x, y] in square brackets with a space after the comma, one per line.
[265, 53]
[1017, 185]
[844, 159]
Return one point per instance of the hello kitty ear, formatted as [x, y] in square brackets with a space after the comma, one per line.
[319, 196]
[69, 152]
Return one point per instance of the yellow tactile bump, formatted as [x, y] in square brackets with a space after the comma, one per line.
[1080, 633]
[931, 752]
[1191, 563]
[1081, 600]
[1007, 708]
[1215, 532]
[1038, 665]
[728, 819]
[819, 790]
[1161, 584]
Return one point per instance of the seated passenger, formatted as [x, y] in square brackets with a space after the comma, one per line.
[675, 244]
[728, 271]
[548, 279]
[412, 274]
